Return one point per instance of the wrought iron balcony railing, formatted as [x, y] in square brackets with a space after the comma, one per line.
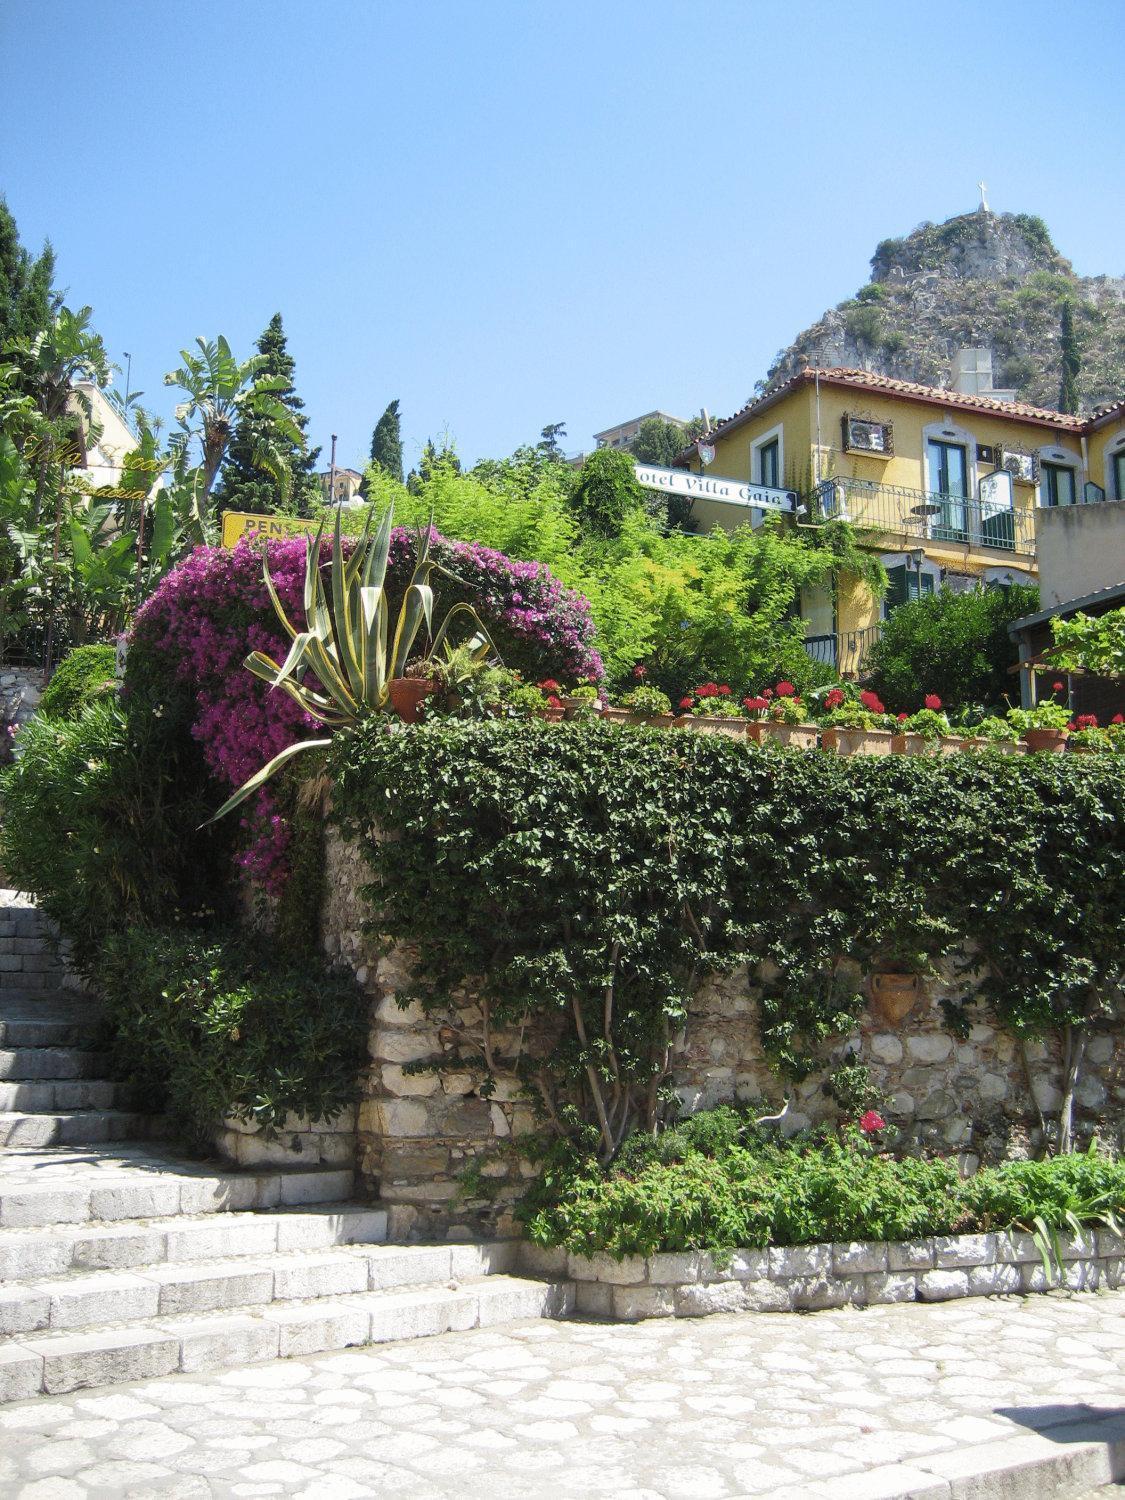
[925, 515]
[844, 650]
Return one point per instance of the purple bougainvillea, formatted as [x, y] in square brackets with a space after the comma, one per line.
[213, 609]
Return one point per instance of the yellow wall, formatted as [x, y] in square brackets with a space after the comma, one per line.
[1101, 443]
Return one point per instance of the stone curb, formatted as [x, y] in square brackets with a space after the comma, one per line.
[806, 1277]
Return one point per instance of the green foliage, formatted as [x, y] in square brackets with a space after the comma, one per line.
[1087, 643]
[596, 874]
[209, 1025]
[648, 701]
[245, 484]
[1070, 359]
[26, 290]
[954, 645]
[721, 1187]
[101, 819]
[607, 495]
[658, 441]
[85, 675]
[386, 443]
[1046, 715]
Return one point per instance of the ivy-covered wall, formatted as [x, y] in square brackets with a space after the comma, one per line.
[595, 927]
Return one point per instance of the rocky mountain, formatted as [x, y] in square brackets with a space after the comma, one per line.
[979, 280]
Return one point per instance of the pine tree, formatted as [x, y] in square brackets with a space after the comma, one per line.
[245, 487]
[27, 299]
[386, 443]
[1071, 361]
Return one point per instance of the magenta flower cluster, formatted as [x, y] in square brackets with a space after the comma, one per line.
[212, 610]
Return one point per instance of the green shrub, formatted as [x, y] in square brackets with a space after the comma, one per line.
[954, 645]
[210, 1024]
[87, 673]
[101, 822]
[723, 1192]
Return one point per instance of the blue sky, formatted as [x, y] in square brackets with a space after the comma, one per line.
[508, 214]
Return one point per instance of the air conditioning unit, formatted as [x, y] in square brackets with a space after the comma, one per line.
[864, 436]
[1023, 467]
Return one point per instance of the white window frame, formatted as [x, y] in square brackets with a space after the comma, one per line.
[1112, 449]
[1064, 458]
[775, 434]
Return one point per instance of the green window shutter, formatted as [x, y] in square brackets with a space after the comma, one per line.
[897, 588]
[927, 583]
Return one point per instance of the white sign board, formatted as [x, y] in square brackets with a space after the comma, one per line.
[710, 487]
[996, 493]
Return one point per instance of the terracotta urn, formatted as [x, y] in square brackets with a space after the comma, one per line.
[895, 995]
[406, 695]
[1046, 741]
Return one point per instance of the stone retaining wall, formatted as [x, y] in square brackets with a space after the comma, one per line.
[300, 1142]
[806, 1277]
[446, 1160]
[20, 691]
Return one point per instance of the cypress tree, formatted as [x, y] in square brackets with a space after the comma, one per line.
[1071, 361]
[245, 487]
[386, 443]
[27, 298]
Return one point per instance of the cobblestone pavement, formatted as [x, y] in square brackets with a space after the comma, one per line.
[728, 1406]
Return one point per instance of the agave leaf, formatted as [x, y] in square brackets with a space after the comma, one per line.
[346, 636]
[375, 562]
[296, 659]
[416, 607]
[279, 608]
[329, 676]
[485, 649]
[259, 778]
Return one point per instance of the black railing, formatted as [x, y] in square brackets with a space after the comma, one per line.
[844, 650]
[925, 515]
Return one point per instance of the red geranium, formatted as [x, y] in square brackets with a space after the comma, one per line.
[640, 671]
[707, 690]
[1118, 719]
[1087, 721]
[785, 690]
[768, 694]
[833, 698]
[724, 691]
[871, 1122]
[1058, 687]
[687, 702]
[553, 701]
[902, 718]
[872, 702]
[933, 701]
[549, 685]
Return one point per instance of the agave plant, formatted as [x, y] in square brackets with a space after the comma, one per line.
[346, 645]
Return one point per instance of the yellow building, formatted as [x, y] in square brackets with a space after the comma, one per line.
[943, 485]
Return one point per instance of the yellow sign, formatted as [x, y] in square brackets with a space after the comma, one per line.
[238, 524]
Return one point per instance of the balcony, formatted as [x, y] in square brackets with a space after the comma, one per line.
[914, 516]
[844, 650]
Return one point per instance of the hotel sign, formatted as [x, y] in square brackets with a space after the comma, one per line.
[711, 487]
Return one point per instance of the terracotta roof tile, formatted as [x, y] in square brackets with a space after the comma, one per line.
[868, 380]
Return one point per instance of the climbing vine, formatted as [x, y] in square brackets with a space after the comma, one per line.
[584, 879]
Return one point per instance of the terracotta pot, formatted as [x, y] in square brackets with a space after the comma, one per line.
[652, 721]
[895, 995]
[581, 708]
[797, 736]
[407, 693]
[551, 714]
[1048, 741]
[840, 741]
[714, 724]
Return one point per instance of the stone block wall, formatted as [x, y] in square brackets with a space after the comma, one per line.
[447, 1162]
[20, 691]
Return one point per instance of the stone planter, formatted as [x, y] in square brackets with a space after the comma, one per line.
[550, 714]
[654, 721]
[918, 744]
[1003, 747]
[972, 743]
[581, 708]
[797, 736]
[406, 695]
[1046, 741]
[714, 724]
[951, 744]
[841, 741]
[894, 996]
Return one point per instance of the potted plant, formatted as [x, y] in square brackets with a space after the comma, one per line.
[582, 702]
[1086, 738]
[855, 726]
[997, 735]
[408, 692]
[784, 721]
[925, 732]
[1043, 727]
[643, 705]
[711, 709]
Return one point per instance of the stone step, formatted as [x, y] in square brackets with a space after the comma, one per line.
[27, 1063]
[98, 1298]
[41, 1096]
[182, 1239]
[80, 1127]
[54, 1363]
[49, 1020]
[76, 1186]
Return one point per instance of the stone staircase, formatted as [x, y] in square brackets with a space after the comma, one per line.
[120, 1260]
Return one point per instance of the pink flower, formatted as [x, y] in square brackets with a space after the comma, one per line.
[871, 1122]
[640, 671]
